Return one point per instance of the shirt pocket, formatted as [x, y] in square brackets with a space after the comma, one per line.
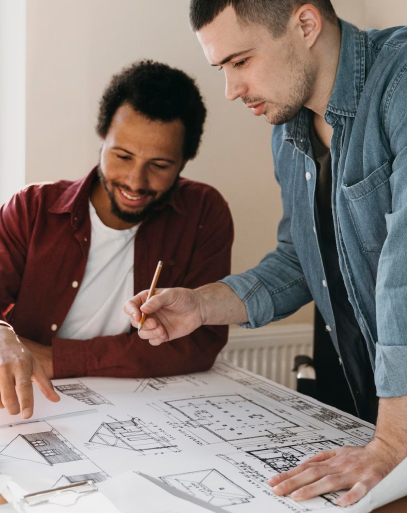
[368, 202]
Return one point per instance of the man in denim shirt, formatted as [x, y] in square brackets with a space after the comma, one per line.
[299, 66]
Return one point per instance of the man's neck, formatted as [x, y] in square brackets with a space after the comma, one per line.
[329, 49]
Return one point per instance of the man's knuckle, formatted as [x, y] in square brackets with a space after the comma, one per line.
[374, 475]
[24, 385]
[10, 402]
[330, 480]
[313, 473]
[363, 486]
[22, 364]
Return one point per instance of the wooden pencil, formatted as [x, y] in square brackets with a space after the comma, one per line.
[151, 293]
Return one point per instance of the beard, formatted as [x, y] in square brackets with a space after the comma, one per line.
[134, 217]
[279, 113]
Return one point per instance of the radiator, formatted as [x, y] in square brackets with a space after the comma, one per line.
[269, 351]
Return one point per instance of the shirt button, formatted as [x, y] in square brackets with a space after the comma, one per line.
[340, 361]
[324, 283]
[328, 328]
[75, 284]
[54, 327]
[308, 176]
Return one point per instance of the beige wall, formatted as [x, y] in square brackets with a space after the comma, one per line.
[386, 13]
[74, 46]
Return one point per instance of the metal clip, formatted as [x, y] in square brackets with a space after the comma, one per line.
[64, 495]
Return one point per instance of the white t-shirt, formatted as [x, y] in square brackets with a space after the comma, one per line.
[106, 286]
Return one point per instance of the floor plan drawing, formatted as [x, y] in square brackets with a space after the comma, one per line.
[82, 393]
[48, 447]
[95, 477]
[132, 435]
[240, 421]
[333, 418]
[211, 486]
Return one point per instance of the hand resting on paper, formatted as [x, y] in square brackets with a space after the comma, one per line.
[20, 365]
[358, 469]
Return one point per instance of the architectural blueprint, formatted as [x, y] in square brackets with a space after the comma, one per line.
[77, 390]
[218, 436]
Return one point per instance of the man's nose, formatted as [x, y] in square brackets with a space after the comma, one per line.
[138, 177]
[234, 88]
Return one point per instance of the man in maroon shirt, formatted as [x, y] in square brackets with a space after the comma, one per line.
[59, 267]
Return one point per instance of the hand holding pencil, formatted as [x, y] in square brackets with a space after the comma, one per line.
[150, 293]
[164, 314]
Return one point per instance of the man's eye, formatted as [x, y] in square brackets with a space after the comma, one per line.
[160, 167]
[123, 157]
[240, 63]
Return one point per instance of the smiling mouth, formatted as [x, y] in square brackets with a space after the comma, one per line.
[129, 196]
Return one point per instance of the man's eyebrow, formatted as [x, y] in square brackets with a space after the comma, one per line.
[122, 149]
[232, 56]
[165, 160]
[132, 154]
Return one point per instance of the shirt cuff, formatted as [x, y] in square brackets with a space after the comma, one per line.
[69, 358]
[390, 372]
[255, 296]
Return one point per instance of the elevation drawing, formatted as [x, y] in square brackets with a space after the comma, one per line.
[82, 393]
[95, 477]
[210, 486]
[48, 447]
[131, 434]
[168, 383]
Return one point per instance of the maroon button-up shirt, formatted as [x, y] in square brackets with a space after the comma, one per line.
[44, 244]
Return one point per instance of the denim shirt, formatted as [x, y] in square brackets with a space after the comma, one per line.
[368, 114]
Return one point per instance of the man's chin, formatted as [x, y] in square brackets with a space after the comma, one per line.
[282, 117]
[131, 216]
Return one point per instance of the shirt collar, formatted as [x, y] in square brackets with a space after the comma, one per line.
[74, 200]
[348, 87]
[350, 77]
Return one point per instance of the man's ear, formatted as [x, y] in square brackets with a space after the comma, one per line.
[308, 19]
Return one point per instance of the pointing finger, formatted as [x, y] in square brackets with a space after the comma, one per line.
[25, 394]
[43, 383]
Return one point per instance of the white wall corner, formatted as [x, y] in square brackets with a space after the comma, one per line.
[12, 96]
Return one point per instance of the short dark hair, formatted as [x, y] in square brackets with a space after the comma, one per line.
[274, 14]
[160, 93]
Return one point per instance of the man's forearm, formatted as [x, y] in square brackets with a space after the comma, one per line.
[392, 425]
[219, 305]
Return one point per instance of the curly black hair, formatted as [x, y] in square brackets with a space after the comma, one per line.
[160, 93]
